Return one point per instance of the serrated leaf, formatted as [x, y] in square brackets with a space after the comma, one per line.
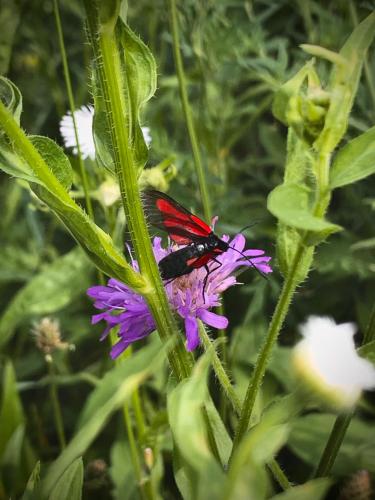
[69, 485]
[290, 204]
[355, 161]
[57, 285]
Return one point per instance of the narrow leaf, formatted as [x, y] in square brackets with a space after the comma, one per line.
[69, 485]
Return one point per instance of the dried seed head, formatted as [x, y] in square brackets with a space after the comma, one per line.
[48, 336]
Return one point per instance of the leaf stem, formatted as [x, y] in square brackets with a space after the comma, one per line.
[187, 111]
[265, 352]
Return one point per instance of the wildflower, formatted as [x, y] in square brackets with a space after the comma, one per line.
[128, 311]
[47, 336]
[84, 117]
[109, 192]
[327, 361]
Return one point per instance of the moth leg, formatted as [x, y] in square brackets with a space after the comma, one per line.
[205, 281]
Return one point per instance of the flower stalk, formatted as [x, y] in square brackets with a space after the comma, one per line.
[68, 84]
[56, 404]
[111, 78]
[187, 112]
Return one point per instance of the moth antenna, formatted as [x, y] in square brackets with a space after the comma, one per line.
[251, 263]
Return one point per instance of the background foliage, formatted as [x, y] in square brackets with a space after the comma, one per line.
[236, 55]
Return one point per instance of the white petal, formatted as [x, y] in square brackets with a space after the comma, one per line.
[84, 120]
[326, 358]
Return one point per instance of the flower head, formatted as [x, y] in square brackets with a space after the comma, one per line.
[84, 117]
[47, 336]
[326, 359]
[124, 308]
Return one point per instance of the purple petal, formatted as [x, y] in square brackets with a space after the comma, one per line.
[213, 319]
[192, 336]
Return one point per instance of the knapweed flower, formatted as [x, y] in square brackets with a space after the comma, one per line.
[128, 311]
[327, 361]
[84, 117]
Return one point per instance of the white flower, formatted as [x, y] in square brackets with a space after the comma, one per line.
[84, 117]
[326, 359]
[109, 192]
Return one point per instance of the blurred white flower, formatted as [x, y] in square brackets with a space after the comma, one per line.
[109, 192]
[326, 359]
[84, 117]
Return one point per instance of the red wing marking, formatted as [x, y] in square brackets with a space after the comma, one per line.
[165, 213]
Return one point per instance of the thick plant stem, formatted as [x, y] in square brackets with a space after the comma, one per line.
[187, 111]
[56, 406]
[72, 106]
[111, 79]
[234, 400]
[343, 421]
[265, 352]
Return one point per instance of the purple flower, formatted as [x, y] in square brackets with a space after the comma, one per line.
[128, 311]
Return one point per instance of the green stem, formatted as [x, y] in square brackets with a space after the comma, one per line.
[342, 422]
[235, 400]
[187, 111]
[265, 352]
[220, 372]
[333, 445]
[144, 492]
[72, 106]
[42, 171]
[110, 75]
[56, 406]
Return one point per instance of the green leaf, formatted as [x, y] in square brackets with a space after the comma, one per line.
[290, 203]
[196, 465]
[309, 436]
[112, 380]
[138, 86]
[343, 85]
[368, 351]
[355, 161]
[11, 97]
[11, 412]
[122, 471]
[56, 286]
[290, 88]
[55, 158]
[69, 485]
[95, 422]
[32, 484]
[247, 477]
[312, 490]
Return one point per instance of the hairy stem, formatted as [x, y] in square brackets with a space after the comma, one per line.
[265, 352]
[107, 56]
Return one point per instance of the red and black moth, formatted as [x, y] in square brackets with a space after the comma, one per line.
[184, 228]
